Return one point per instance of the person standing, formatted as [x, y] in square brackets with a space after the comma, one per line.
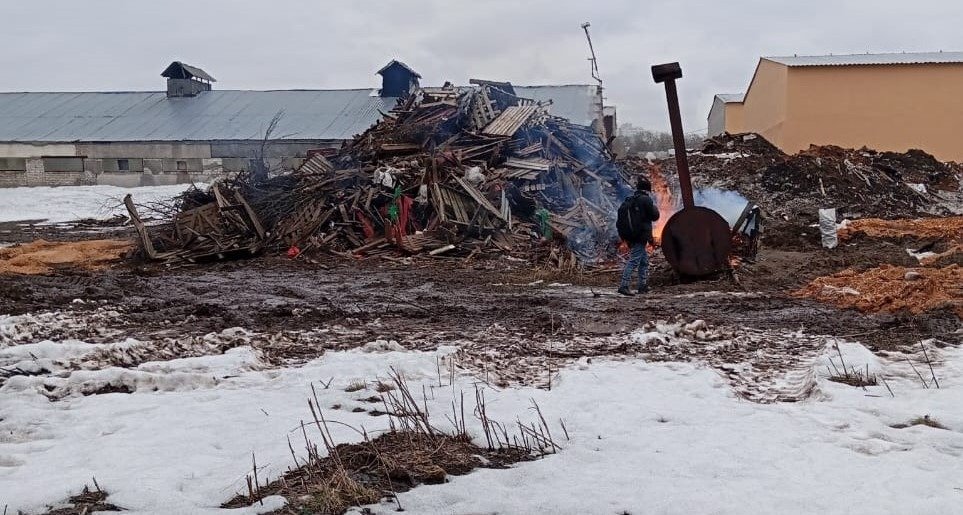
[634, 224]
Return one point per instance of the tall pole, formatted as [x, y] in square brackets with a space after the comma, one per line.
[595, 63]
[668, 73]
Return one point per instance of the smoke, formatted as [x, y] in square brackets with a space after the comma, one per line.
[729, 204]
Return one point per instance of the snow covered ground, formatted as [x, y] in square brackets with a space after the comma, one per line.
[644, 437]
[67, 203]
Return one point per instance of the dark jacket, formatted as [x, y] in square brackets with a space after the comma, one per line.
[645, 209]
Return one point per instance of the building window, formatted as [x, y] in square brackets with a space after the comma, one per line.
[236, 164]
[13, 164]
[63, 164]
[123, 165]
[182, 166]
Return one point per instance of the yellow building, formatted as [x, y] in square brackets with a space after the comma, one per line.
[881, 101]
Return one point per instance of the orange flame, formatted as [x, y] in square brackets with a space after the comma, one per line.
[664, 200]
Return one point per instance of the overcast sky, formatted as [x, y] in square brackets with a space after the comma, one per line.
[111, 45]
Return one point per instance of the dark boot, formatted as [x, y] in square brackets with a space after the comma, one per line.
[643, 289]
[625, 291]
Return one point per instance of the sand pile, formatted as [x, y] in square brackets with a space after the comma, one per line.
[41, 257]
[946, 228]
[891, 289]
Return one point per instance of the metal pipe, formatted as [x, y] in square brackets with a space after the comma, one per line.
[668, 73]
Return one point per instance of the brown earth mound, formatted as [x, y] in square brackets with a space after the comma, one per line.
[42, 257]
[859, 183]
[891, 289]
[947, 228]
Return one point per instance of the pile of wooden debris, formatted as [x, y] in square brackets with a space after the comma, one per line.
[448, 172]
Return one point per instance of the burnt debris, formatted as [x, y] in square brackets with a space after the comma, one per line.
[451, 171]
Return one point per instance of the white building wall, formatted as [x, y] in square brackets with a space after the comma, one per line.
[717, 117]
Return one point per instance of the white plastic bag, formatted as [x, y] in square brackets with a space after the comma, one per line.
[385, 176]
[827, 227]
[474, 175]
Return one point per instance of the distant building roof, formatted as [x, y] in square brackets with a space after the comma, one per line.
[395, 62]
[870, 59]
[212, 115]
[179, 70]
[226, 114]
[729, 98]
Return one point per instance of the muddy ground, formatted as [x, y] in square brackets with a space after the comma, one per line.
[432, 301]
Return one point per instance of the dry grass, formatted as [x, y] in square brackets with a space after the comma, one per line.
[86, 502]
[337, 495]
[356, 386]
[410, 453]
[858, 380]
[925, 420]
[367, 472]
[382, 387]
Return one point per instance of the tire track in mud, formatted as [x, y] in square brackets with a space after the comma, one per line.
[517, 328]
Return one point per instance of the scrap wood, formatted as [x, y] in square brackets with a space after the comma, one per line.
[343, 202]
[141, 229]
[477, 195]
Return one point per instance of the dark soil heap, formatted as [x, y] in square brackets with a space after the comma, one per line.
[858, 183]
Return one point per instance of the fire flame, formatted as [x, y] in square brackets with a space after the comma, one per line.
[664, 199]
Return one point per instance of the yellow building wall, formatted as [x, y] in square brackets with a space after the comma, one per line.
[734, 121]
[883, 107]
[764, 108]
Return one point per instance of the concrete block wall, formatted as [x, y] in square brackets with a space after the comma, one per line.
[205, 161]
[11, 179]
[67, 179]
[35, 172]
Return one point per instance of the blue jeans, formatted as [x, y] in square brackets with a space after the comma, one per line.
[638, 258]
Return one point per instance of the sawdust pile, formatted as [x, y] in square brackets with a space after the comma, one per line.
[891, 289]
[946, 228]
[41, 257]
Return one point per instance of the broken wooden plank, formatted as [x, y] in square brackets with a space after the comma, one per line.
[479, 197]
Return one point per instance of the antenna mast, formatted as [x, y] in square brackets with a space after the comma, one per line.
[593, 60]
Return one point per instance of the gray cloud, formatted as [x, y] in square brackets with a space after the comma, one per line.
[63, 45]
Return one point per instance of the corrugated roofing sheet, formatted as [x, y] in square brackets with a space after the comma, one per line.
[212, 115]
[508, 123]
[175, 67]
[731, 97]
[226, 115]
[870, 59]
[394, 62]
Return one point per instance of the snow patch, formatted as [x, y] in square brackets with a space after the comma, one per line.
[67, 203]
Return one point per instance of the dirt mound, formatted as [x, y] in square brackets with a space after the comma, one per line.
[42, 257]
[948, 228]
[891, 289]
[858, 183]
[746, 143]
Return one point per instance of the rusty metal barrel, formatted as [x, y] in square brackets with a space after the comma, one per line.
[696, 240]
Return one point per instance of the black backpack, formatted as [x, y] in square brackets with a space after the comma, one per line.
[632, 221]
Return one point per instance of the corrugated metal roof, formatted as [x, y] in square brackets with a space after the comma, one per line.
[508, 123]
[225, 114]
[212, 115]
[578, 102]
[178, 70]
[870, 59]
[731, 97]
[395, 62]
